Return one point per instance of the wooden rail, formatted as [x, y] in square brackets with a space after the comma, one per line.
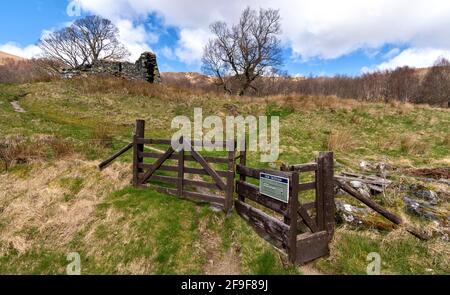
[111, 159]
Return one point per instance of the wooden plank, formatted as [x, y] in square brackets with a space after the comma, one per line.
[382, 211]
[200, 171]
[329, 193]
[186, 182]
[307, 219]
[251, 192]
[187, 157]
[180, 172]
[269, 228]
[308, 167]
[108, 161]
[194, 143]
[371, 204]
[311, 247]
[140, 133]
[307, 186]
[154, 141]
[309, 206]
[158, 164]
[255, 173]
[194, 196]
[208, 169]
[230, 179]
[243, 163]
[187, 170]
[293, 209]
[136, 163]
[320, 194]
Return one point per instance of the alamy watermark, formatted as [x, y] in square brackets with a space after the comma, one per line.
[211, 132]
[374, 266]
[74, 267]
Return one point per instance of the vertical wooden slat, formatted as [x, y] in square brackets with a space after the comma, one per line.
[140, 133]
[135, 162]
[328, 193]
[286, 218]
[293, 207]
[320, 193]
[243, 163]
[230, 178]
[181, 169]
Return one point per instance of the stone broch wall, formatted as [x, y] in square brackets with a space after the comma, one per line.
[145, 68]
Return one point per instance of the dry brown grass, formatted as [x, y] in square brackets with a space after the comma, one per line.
[446, 140]
[102, 136]
[21, 150]
[38, 204]
[311, 103]
[412, 144]
[103, 84]
[341, 141]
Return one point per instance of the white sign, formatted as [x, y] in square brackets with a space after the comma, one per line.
[275, 187]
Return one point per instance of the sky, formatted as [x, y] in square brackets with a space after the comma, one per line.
[320, 37]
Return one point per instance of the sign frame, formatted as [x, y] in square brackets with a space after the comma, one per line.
[274, 180]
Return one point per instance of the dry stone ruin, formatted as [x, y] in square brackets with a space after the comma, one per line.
[145, 68]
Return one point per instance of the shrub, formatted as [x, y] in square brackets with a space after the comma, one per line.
[341, 140]
[411, 144]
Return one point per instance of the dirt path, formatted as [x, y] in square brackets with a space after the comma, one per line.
[17, 108]
[310, 270]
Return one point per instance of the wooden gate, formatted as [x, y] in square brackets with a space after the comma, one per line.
[303, 229]
[218, 191]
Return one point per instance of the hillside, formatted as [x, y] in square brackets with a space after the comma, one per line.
[54, 201]
[6, 56]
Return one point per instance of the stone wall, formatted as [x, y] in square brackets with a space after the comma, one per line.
[145, 68]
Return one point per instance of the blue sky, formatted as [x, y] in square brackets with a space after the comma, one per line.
[319, 37]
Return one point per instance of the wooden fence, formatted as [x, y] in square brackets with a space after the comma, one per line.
[194, 187]
[289, 232]
[302, 229]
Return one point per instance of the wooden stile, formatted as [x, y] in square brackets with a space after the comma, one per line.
[313, 243]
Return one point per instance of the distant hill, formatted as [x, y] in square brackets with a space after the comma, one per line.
[192, 77]
[6, 56]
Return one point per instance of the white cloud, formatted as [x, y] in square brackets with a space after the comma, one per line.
[391, 53]
[29, 51]
[323, 29]
[191, 44]
[167, 52]
[415, 57]
[135, 38]
[312, 28]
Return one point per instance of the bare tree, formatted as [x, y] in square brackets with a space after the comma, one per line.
[84, 42]
[246, 51]
[435, 88]
[402, 84]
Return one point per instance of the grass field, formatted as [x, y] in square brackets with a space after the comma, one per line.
[54, 201]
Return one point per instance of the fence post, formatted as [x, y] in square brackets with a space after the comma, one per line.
[181, 169]
[243, 163]
[328, 193]
[286, 218]
[320, 193]
[293, 208]
[230, 177]
[138, 148]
